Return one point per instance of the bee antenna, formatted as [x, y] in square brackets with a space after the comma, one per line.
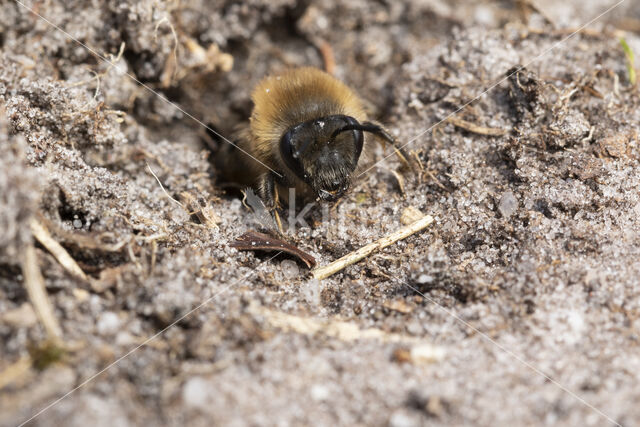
[364, 127]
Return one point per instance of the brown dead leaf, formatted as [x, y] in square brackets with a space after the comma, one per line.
[255, 241]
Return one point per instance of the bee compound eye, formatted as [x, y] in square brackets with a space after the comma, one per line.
[290, 154]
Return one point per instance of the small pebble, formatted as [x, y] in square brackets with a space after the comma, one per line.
[108, 323]
[80, 294]
[195, 393]
[21, 317]
[289, 269]
[402, 419]
[508, 204]
[319, 392]
[426, 353]
[410, 215]
[414, 327]
[311, 291]
[425, 278]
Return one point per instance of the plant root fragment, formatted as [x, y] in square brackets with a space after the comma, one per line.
[473, 128]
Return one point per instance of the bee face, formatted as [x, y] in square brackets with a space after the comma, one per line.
[305, 131]
[323, 153]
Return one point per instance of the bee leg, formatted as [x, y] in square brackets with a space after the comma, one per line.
[268, 192]
[382, 133]
[275, 209]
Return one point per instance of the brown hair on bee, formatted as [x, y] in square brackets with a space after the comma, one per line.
[307, 130]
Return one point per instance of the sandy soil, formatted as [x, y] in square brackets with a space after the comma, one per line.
[518, 306]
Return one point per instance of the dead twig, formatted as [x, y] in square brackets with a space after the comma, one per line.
[473, 128]
[34, 283]
[353, 257]
[66, 261]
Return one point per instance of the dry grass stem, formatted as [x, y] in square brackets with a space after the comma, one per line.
[353, 257]
[68, 263]
[34, 283]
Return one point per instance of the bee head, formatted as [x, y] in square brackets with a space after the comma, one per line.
[323, 153]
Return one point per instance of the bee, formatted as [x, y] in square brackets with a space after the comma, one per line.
[306, 131]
